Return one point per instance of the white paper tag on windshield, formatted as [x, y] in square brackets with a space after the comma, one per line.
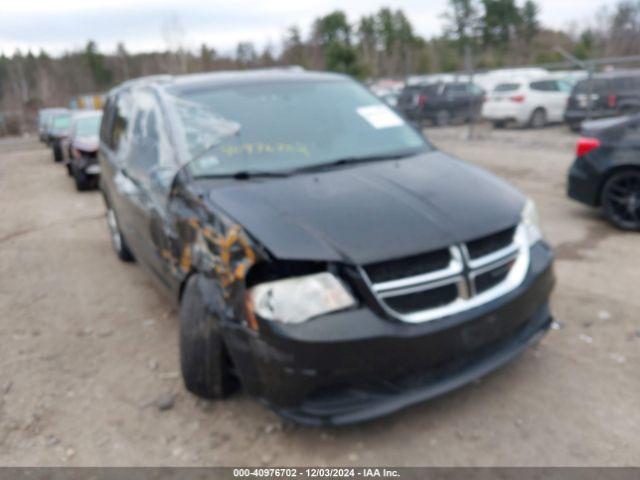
[380, 116]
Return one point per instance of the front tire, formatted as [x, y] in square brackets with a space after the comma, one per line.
[205, 364]
[117, 239]
[621, 199]
[57, 153]
[81, 179]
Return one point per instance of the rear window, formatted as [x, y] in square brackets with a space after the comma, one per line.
[88, 126]
[431, 89]
[599, 86]
[457, 88]
[61, 123]
[507, 87]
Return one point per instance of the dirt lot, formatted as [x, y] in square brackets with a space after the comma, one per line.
[89, 348]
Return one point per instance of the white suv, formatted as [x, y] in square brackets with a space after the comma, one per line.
[530, 102]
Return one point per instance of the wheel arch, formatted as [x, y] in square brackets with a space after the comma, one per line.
[539, 108]
[610, 173]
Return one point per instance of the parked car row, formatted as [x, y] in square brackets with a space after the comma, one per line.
[534, 100]
[72, 136]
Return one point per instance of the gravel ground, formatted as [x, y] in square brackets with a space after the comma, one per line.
[89, 369]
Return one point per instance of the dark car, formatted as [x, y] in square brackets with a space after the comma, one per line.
[44, 121]
[57, 133]
[609, 94]
[47, 135]
[441, 103]
[80, 149]
[606, 171]
[336, 264]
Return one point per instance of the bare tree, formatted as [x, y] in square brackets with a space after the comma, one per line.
[173, 33]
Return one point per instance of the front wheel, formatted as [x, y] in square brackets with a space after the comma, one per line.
[621, 199]
[57, 153]
[117, 239]
[205, 364]
[81, 179]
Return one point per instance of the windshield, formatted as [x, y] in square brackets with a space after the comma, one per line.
[61, 123]
[288, 126]
[88, 126]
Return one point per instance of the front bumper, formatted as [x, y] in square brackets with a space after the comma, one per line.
[354, 365]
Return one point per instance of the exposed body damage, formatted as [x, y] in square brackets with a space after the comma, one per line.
[337, 265]
[209, 243]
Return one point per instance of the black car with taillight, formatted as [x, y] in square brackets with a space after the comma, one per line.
[606, 171]
[336, 265]
[81, 149]
[441, 103]
[607, 94]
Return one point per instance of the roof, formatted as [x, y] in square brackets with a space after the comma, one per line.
[617, 74]
[53, 110]
[195, 81]
[86, 113]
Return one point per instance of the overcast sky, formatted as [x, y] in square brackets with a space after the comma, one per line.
[61, 25]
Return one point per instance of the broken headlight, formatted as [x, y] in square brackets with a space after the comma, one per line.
[297, 299]
[531, 222]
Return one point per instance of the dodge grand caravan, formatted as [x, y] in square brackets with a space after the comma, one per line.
[321, 252]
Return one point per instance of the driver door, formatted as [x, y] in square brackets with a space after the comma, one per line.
[146, 177]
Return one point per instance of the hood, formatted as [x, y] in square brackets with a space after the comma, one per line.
[371, 212]
[87, 144]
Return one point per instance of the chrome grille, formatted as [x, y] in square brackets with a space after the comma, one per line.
[438, 284]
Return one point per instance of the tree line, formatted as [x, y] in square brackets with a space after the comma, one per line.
[494, 33]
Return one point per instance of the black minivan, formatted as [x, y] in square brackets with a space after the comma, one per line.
[610, 94]
[322, 253]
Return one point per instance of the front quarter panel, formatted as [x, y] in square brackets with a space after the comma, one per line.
[209, 242]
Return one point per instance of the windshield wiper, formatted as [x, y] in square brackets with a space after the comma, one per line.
[247, 174]
[352, 161]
